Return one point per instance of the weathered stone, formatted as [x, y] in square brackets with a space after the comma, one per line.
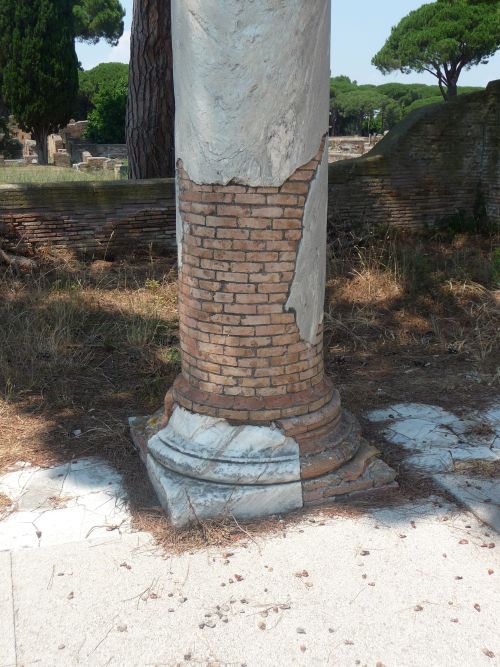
[252, 265]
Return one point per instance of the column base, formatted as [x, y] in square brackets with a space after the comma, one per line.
[204, 467]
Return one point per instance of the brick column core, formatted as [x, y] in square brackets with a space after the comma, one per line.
[243, 357]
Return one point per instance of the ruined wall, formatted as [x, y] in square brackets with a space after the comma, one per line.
[438, 161]
[93, 218]
[76, 148]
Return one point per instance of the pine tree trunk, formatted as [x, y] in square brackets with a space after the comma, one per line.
[151, 104]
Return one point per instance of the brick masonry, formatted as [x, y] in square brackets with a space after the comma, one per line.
[439, 161]
[243, 358]
[436, 163]
[101, 218]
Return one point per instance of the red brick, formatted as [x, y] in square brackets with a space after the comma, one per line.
[240, 308]
[249, 267]
[241, 234]
[216, 197]
[264, 277]
[241, 289]
[294, 213]
[233, 210]
[230, 255]
[229, 276]
[266, 235]
[282, 200]
[252, 298]
[267, 212]
[273, 288]
[237, 189]
[262, 256]
[219, 221]
[249, 198]
[301, 175]
[295, 188]
[217, 244]
[193, 218]
[255, 223]
[203, 209]
[287, 223]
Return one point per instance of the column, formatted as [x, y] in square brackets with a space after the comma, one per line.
[252, 425]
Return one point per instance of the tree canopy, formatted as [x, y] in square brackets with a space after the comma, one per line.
[443, 38]
[39, 65]
[361, 109]
[93, 80]
[107, 120]
[98, 19]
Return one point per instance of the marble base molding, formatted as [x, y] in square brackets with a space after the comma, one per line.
[204, 467]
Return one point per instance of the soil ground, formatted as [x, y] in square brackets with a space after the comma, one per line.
[85, 345]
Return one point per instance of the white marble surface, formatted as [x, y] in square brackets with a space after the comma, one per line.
[251, 87]
[212, 449]
[307, 294]
[80, 500]
[438, 438]
[187, 500]
[441, 443]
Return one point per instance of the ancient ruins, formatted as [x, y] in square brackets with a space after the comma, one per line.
[252, 426]
[69, 148]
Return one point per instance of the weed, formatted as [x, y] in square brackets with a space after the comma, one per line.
[50, 174]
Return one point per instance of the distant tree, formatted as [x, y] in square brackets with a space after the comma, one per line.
[98, 19]
[354, 107]
[151, 103]
[107, 120]
[425, 102]
[92, 81]
[39, 65]
[363, 105]
[443, 38]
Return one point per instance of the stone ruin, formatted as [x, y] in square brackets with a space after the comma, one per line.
[59, 154]
[347, 148]
[252, 426]
[91, 163]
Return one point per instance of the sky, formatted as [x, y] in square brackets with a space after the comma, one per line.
[359, 30]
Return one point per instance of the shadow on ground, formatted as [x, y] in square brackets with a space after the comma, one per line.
[85, 346]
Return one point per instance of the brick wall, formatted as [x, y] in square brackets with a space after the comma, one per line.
[438, 161]
[93, 218]
[243, 356]
[435, 163]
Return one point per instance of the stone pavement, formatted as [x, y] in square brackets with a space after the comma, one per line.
[412, 585]
[402, 586]
[445, 446]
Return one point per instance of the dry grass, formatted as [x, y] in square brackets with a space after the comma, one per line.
[476, 468]
[5, 506]
[413, 319]
[51, 174]
[84, 346]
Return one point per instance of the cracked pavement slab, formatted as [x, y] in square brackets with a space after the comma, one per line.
[443, 446]
[312, 594]
[65, 503]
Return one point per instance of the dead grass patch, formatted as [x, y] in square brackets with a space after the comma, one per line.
[83, 346]
[476, 468]
[5, 506]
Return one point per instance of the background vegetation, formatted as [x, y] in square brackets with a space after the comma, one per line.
[366, 108]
